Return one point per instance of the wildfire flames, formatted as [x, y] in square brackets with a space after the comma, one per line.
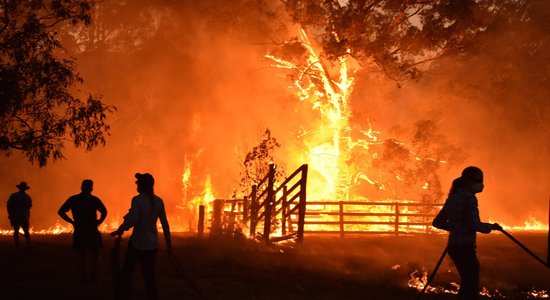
[56, 229]
[328, 145]
[418, 280]
[327, 149]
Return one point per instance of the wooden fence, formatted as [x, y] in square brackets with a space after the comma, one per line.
[367, 217]
[271, 206]
[274, 213]
[343, 218]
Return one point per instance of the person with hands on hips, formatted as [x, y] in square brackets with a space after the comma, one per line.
[86, 237]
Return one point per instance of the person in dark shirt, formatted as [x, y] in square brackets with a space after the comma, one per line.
[19, 212]
[86, 237]
[460, 216]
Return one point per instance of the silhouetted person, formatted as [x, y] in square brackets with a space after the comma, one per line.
[19, 212]
[146, 209]
[460, 216]
[86, 237]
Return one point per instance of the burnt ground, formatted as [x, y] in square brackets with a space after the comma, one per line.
[366, 267]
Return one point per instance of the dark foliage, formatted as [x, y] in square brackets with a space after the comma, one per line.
[257, 160]
[39, 108]
[398, 36]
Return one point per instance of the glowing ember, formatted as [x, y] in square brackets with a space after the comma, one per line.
[534, 294]
[417, 281]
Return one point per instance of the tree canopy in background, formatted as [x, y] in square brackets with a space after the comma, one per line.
[397, 36]
[40, 108]
[256, 162]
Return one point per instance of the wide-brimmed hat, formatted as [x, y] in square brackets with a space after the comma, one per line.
[23, 186]
[145, 179]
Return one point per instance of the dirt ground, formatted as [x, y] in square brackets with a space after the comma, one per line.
[366, 267]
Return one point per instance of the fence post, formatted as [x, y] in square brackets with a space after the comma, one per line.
[201, 221]
[341, 219]
[217, 217]
[283, 210]
[396, 229]
[253, 212]
[269, 203]
[302, 203]
[245, 209]
[232, 215]
[290, 226]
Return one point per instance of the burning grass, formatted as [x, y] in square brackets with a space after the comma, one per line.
[323, 268]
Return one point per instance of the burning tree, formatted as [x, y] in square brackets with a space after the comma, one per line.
[416, 164]
[38, 103]
[256, 162]
[400, 38]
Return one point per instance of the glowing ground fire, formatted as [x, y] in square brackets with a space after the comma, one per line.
[418, 280]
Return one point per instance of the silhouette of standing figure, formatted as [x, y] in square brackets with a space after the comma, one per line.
[460, 216]
[19, 212]
[146, 209]
[86, 237]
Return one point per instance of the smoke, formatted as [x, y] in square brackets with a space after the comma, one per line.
[195, 91]
[492, 104]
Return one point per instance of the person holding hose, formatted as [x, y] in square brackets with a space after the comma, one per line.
[460, 216]
[146, 209]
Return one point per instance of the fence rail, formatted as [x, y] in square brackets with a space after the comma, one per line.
[341, 217]
[368, 217]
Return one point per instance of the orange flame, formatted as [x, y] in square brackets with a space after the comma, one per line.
[327, 147]
[206, 198]
[531, 224]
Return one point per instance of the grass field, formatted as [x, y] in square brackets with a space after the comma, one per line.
[373, 267]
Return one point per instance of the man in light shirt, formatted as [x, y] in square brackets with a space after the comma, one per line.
[146, 209]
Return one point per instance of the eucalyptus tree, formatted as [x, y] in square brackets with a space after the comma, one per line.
[41, 107]
[401, 40]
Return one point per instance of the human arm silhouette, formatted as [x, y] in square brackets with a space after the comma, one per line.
[29, 202]
[496, 226]
[102, 212]
[472, 214]
[62, 212]
[9, 206]
[130, 219]
[165, 229]
[441, 220]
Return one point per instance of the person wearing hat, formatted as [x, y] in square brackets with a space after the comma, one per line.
[19, 212]
[146, 209]
[86, 237]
